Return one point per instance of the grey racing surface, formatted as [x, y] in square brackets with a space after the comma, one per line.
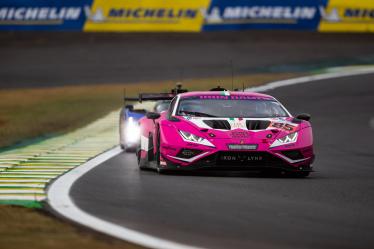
[333, 208]
[45, 59]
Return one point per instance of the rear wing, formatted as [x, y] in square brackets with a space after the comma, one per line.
[155, 96]
[151, 97]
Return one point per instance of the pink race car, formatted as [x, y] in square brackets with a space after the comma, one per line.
[226, 130]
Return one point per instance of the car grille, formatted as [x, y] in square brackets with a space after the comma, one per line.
[241, 159]
[227, 158]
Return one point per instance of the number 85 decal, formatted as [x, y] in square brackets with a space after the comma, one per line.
[284, 126]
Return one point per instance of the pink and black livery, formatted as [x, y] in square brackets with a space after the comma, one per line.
[226, 130]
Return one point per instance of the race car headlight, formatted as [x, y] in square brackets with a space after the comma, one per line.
[132, 130]
[289, 139]
[189, 137]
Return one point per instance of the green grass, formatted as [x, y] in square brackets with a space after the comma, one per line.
[28, 204]
[42, 112]
[35, 229]
[30, 113]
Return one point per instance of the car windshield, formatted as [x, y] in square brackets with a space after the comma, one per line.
[231, 108]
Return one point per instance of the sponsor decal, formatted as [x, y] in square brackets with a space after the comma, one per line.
[284, 126]
[241, 158]
[250, 98]
[347, 16]
[240, 134]
[214, 97]
[236, 123]
[242, 146]
[263, 14]
[42, 14]
[145, 15]
[231, 97]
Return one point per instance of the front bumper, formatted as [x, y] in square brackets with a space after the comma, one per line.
[240, 160]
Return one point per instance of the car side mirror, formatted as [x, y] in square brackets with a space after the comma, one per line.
[153, 115]
[303, 116]
[130, 107]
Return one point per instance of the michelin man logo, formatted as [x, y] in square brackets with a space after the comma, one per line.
[331, 16]
[214, 16]
[97, 16]
[254, 13]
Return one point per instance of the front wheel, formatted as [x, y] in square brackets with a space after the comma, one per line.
[140, 162]
[161, 171]
[158, 154]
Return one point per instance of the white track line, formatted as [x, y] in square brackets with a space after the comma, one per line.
[22, 191]
[59, 199]
[21, 185]
[312, 78]
[24, 180]
[58, 194]
[22, 198]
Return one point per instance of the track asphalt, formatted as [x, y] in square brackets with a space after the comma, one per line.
[331, 209]
[40, 59]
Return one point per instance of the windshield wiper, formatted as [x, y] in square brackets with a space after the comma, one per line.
[198, 114]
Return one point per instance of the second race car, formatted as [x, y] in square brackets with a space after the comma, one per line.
[129, 131]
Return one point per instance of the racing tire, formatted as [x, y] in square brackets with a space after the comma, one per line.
[160, 171]
[141, 166]
[158, 155]
[163, 171]
[303, 174]
[150, 155]
[300, 174]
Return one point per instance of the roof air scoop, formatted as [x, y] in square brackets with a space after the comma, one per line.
[218, 88]
[257, 124]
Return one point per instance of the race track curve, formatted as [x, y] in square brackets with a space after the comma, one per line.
[331, 209]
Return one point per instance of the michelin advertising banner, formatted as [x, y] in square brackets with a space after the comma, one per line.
[263, 14]
[43, 14]
[187, 15]
[347, 15]
[146, 15]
